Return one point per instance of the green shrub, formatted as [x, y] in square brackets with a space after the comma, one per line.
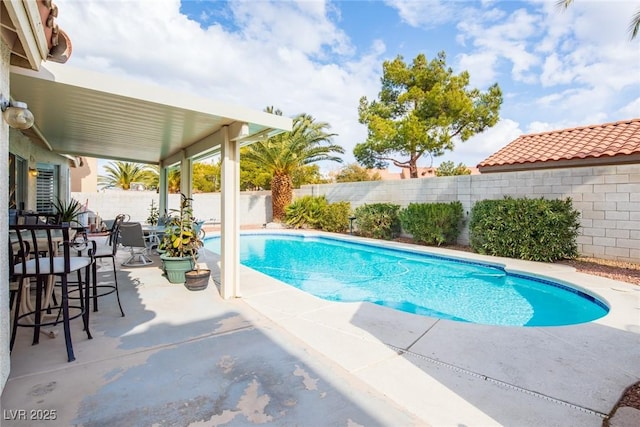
[335, 217]
[318, 213]
[378, 220]
[531, 229]
[433, 223]
[305, 212]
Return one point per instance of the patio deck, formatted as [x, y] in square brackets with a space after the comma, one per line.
[279, 356]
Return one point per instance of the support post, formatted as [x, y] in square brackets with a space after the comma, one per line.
[186, 175]
[230, 218]
[163, 189]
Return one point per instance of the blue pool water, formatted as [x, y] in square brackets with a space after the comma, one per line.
[340, 270]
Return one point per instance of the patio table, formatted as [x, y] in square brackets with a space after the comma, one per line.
[153, 233]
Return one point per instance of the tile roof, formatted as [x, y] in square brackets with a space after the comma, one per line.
[588, 142]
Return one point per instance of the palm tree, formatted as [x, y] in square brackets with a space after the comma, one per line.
[173, 180]
[634, 25]
[122, 174]
[284, 154]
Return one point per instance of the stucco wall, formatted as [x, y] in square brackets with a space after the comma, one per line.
[4, 222]
[22, 146]
[255, 206]
[84, 178]
[608, 198]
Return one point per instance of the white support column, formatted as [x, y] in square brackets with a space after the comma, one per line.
[230, 221]
[185, 175]
[163, 189]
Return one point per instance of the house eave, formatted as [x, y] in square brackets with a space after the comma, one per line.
[565, 163]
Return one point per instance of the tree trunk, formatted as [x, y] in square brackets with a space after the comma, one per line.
[413, 169]
[281, 195]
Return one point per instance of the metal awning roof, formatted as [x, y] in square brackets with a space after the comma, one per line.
[83, 113]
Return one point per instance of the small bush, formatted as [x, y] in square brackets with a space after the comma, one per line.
[305, 212]
[378, 220]
[318, 213]
[531, 229]
[433, 223]
[335, 217]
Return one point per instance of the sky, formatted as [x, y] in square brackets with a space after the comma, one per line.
[557, 68]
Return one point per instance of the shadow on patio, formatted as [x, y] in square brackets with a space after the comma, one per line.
[179, 358]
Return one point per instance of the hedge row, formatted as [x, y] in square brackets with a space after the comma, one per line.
[532, 229]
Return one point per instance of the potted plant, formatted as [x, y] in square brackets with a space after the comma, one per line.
[154, 214]
[181, 243]
[69, 211]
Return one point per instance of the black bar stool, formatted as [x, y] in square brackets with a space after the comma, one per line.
[50, 257]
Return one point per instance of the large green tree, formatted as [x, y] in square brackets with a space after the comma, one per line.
[287, 153]
[634, 24]
[421, 109]
[122, 174]
[206, 177]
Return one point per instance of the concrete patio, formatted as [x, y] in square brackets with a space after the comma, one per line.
[279, 356]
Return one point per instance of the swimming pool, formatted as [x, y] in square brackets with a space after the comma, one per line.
[468, 291]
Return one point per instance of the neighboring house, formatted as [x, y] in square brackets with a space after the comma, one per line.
[595, 145]
[84, 178]
[387, 175]
[429, 172]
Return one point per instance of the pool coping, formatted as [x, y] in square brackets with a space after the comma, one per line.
[569, 375]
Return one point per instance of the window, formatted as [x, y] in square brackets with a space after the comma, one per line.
[17, 181]
[47, 187]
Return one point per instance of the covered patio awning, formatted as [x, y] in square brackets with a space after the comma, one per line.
[83, 113]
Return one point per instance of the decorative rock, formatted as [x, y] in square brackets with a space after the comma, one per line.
[625, 416]
[274, 225]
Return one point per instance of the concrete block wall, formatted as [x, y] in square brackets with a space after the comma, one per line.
[607, 197]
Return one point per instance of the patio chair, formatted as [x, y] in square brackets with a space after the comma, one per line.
[110, 224]
[132, 236]
[107, 250]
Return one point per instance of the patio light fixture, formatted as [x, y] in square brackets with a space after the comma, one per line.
[16, 114]
[33, 172]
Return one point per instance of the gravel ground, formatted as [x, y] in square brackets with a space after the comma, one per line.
[623, 271]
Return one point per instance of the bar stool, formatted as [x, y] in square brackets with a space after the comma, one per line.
[42, 264]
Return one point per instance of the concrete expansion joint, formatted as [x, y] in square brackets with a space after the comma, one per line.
[500, 383]
[422, 335]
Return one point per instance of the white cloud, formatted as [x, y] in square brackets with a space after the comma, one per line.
[481, 67]
[425, 13]
[631, 110]
[555, 71]
[506, 38]
[481, 146]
